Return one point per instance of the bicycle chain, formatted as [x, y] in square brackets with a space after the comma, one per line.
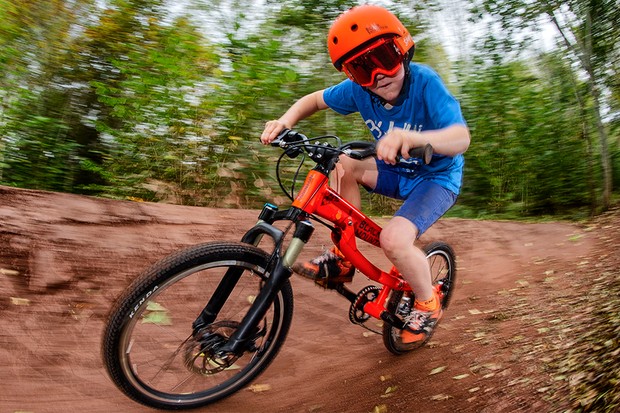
[356, 311]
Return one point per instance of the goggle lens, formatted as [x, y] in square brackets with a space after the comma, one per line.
[381, 57]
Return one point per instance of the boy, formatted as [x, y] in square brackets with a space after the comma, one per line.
[405, 105]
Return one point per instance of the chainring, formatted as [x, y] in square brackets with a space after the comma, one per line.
[356, 311]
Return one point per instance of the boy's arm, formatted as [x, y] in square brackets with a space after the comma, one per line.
[449, 141]
[300, 110]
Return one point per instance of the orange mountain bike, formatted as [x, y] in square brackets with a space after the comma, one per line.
[204, 322]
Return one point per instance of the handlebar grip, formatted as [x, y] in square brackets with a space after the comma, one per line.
[423, 152]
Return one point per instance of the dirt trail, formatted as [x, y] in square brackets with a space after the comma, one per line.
[63, 258]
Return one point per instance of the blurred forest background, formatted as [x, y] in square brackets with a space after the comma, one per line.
[165, 100]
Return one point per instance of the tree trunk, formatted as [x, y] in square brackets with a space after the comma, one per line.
[605, 158]
[583, 50]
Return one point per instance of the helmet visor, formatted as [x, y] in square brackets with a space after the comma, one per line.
[382, 56]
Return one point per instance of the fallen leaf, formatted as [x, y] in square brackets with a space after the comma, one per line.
[382, 408]
[388, 392]
[20, 301]
[493, 366]
[157, 317]
[461, 376]
[153, 306]
[440, 396]
[259, 388]
[437, 370]
[4, 271]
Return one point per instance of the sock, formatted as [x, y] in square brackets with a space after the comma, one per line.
[431, 304]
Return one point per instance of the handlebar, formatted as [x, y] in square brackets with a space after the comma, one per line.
[294, 143]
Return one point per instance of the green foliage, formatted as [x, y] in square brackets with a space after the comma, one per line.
[121, 98]
[589, 39]
[37, 125]
[527, 151]
[152, 100]
[39, 156]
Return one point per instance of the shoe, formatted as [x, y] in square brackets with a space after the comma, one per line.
[420, 324]
[328, 268]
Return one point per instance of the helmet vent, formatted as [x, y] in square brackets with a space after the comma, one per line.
[335, 40]
[354, 28]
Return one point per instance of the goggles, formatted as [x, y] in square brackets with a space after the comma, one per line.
[380, 57]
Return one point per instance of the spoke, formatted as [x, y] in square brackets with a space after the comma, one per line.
[168, 363]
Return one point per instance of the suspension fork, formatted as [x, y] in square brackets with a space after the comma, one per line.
[243, 335]
[279, 270]
[232, 275]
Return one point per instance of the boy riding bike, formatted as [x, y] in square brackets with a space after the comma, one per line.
[405, 105]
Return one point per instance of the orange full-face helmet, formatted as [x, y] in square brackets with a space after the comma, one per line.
[367, 40]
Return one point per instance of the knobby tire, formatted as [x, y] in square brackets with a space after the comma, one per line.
[148, 349]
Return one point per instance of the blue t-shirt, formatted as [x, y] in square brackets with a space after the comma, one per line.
[426, 104]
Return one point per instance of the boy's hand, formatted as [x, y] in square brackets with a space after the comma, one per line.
[272, 130]
[394, 143]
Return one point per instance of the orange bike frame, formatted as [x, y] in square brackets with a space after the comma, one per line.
[318, 198]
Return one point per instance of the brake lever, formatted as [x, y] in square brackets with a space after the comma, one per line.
[292, 142]
[279, 140]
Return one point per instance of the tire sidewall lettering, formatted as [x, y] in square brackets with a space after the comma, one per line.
[142, 301]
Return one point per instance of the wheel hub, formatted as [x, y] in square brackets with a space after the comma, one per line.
[202, 352]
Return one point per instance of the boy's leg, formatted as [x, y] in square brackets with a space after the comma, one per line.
[350, 174]
[397, 241]
[423, 207]
[426, 203]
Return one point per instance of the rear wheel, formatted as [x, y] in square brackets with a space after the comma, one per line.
[150, 348]
[442, 262]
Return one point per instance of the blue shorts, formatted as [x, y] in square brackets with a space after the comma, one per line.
[424, 201]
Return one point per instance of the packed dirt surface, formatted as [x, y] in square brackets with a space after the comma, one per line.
[64, 258]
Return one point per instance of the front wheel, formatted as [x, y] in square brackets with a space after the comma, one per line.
[442, 262]
[151, 349]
